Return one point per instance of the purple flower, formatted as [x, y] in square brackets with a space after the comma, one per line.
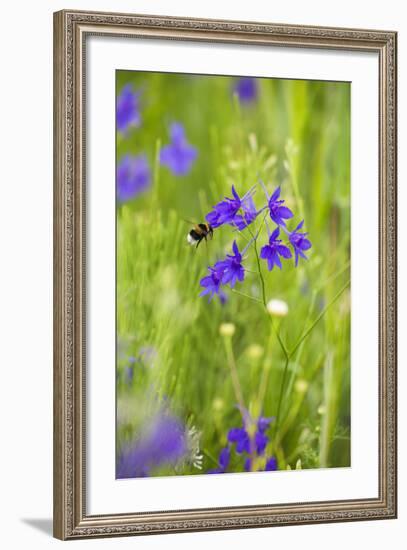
[246, 89]
[272, 251]
[263, 423]
[163, 442]
[271, 464]
[129, 371]
[179, 155]
[132, 177]
[249, 213]
[227, 211]
[127, 109]
[278, 212]
[211, 284]
[252, 446]
[299, 242]
[240, 437]
[231, 269]
[261, 442]
[223, 462]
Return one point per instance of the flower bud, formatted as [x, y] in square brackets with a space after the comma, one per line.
[301, 386]
[278, 308]
[255, 351]
[227, 329]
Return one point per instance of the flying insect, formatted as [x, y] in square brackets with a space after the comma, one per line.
[200, 232]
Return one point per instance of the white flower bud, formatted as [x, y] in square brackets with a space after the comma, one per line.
[227, 329]
[278, 308]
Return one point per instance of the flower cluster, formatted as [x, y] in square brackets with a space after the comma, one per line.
[133, 172]
[250, 442]
[240, 212]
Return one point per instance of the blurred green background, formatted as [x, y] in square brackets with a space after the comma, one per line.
[295, 134]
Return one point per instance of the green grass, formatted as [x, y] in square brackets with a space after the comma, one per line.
[296, 135]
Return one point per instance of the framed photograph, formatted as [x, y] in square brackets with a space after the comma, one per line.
[225, 274]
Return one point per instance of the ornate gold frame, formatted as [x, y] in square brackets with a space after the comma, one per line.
[70, 31]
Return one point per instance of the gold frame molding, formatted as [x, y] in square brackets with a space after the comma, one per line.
[70, 31]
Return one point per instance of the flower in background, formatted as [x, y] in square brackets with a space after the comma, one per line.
[211, 284]
[129, 371]
[179, 155]
[223, 462]
[251, 440]
[299, 242]
[278, 212]
[227, 211]
[273, 250]
[133, 177]
[127, 109]
[163, 442]
[231, 268]
[246, 89]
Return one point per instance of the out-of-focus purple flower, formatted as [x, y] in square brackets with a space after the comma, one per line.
[164, 442]
[133, 177]
[271, 464]
[127, 109]
[129, 371]
[246, 89]
[211, 284]
[227, 211]
[223, 462]
[261, 442]
[272, 251]
[179, 155]
[263, 423]
[299, 242]
[250, 440]
[231, 268]
[278, 212]
[241, 438]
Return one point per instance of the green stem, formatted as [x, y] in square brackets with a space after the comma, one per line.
[233, 372]
[306, 333]
[280, 399]
[246, 295]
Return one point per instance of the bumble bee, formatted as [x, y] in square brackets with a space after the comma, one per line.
[198, 233]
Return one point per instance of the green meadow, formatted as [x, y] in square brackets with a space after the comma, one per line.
[179, 351]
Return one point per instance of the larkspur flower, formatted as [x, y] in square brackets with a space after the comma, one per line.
[228, 211]
[231, 269]
[127, 109]
[246, 89]
[223, 462]
[299, 242]
[179, 155]
[273, 250]
[133, 177]
[251, 447]
[278, 212]
[271, 464]
[211, 284]
[241, 438]
[163, 442]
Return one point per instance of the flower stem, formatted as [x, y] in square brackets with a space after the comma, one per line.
[280, 399]
[246, 295]
[233, 371]
[311, 327]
